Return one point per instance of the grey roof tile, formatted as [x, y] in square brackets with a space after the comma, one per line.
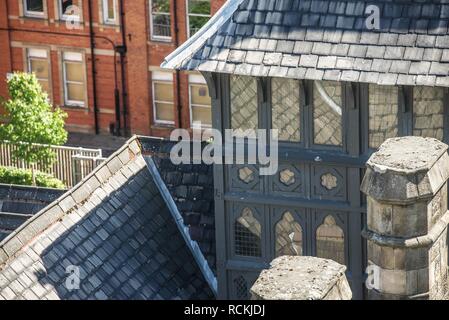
[302, 47]
[357, 51]
[432, 54]
[426, 41]
[387, 79]
[370, 77]
[277, 71]
[321, 48]
[314, 35]
[350, 75]
[375, 52]
[308, 60]
[272, 58]
[414, 54]
[290, 61]
[254, 57]
[419, 67]
[400, 66]
[422, 80]
[340, 49]
[345, 63]
[314, 74]
[331, 29]
[296, 73]
[445, 55]
[380, 65]
[285, 46]
[327, 62]
[267, 44]
[332, 75]
[394, 52]
[439, 69]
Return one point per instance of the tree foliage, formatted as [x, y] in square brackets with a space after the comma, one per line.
[31, 119]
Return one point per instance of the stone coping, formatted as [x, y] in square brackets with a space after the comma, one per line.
[407, 155]
[298, 278]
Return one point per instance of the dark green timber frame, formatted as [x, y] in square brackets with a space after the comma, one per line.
[348, 207]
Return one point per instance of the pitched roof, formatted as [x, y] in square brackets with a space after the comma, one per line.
[123, 230]
[324, 40]
[19, 203]
[191, 187]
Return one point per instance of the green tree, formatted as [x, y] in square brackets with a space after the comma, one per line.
[31, 119]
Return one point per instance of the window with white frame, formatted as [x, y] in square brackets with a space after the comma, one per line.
[74, 79]
[37, 63]
[200, 102]
[64, 8]
[110, 11]
[163, 97]
[160, 19]
[198, 13]
[33, 8]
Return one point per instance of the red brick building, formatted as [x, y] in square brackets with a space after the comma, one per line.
[99, 60]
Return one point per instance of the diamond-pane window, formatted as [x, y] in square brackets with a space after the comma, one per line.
[244, 115]
[247, 236]
[383, 114]
[330, 241]
[327, 113]
[241, 288]
[428, 112]
[288, 237]
[286, 109]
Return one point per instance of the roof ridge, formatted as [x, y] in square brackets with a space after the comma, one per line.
[43, 220]
[194, 43]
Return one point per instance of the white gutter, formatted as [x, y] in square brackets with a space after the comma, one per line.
[194, 43]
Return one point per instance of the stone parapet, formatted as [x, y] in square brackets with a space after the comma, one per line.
[302, 278]
[407, 222]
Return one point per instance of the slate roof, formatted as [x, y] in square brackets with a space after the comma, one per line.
[121, 227]
[192, 188]
[324, 40]
[19, 203]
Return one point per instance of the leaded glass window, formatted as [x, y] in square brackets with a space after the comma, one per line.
[244, 115]
[247, 235]
[383, 114]
[288, 236]
[330, 241]
[428, 112]
[241, 288]
[327, 113]
[286, 109]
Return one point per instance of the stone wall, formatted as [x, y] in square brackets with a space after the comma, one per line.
[407, 225]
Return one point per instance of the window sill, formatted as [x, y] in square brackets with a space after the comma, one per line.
[162, 40]
[163, 126]
[34, 17]
[75, 108]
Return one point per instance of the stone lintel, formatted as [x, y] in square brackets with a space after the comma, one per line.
[406, 169]
[302, 278]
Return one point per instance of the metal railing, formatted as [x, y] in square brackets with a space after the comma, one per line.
[71, 164]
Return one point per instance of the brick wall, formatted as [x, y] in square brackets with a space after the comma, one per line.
[143, 55]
